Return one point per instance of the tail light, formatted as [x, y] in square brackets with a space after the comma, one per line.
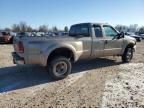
[21, 47]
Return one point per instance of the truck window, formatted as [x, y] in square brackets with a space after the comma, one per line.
[79, 30]
[98, 31]
[109, 31]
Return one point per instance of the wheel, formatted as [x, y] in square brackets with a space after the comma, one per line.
[138, 39]
[128, 54]
[59, 68]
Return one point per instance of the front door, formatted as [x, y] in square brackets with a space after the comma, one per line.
[112, 46]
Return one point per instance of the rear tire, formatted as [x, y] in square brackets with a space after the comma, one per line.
[128, 54]
[59, 68]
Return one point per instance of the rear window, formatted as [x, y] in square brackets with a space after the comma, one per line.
[79, 30]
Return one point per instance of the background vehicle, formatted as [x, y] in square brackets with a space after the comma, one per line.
[142, 35]
[85, 41]
[138, 38]
[60, 33]
[5, 37]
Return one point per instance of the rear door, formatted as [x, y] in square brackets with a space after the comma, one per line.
[83, 39]
[98, 42]
[112, 46]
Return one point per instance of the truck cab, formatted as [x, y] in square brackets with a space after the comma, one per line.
[98, 39]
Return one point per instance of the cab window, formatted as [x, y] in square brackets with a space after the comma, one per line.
[109, 31]
[98, 31]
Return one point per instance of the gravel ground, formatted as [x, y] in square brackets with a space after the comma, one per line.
[5, 56]
[97, 83]
[126, 89]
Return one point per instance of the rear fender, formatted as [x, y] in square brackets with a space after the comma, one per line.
[53, 47]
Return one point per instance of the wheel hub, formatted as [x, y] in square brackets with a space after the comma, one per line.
[60, 68]
[129, 54]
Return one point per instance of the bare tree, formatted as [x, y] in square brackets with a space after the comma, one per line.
[29, 29]
[15, 28]
[7, 29]
[35, 30]
[54, 29]
[133, 27]
[121, 28]
[66, 29]
[43, 28]
[23, 27]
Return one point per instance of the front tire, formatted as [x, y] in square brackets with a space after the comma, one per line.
[128, 55]
[138, 39]
[59, 68]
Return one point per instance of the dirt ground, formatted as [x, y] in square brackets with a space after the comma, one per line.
[99, 83]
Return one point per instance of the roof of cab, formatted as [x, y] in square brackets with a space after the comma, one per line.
[89, 24]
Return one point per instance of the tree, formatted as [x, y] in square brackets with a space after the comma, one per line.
[66, 29]
[141, 30]
[7, 29]
[23, 27]
[54, 29]
[15, 28]
[29, 29]
[133, 28]
[43, 28]
[121, 28]
[35, 30]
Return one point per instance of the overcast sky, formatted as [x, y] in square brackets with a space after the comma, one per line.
[66, 12]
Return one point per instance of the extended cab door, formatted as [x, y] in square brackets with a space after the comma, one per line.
[112, 46]
[98, 42]
[82, 39]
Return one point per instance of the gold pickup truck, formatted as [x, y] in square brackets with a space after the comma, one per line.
[85, 41]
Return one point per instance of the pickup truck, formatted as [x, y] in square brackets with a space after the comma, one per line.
[85, 41]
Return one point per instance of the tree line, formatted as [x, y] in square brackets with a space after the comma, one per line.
[132, 28]
[24, 27]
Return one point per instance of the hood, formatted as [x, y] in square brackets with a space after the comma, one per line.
[129, 37]
[135, 36]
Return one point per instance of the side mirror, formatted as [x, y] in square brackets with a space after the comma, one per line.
[121, 35]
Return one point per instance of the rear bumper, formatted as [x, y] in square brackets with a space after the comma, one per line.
[17, 59]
